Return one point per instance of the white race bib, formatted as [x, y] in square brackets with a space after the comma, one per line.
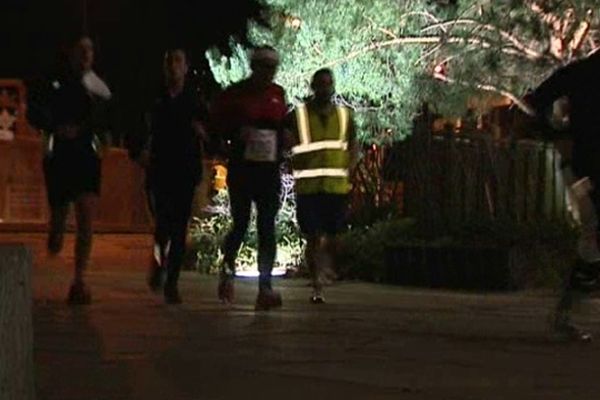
[261, 145]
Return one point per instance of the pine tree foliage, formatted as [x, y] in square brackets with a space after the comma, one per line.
[391, 56]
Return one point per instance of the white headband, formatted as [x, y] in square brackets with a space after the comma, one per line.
[265, 54]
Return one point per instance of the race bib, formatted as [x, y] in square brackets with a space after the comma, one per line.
[261, 145]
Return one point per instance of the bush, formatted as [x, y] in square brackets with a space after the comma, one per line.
[362, 249]
[208, 232]
[540, 251]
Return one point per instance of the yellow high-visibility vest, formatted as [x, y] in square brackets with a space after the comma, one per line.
[321, 159]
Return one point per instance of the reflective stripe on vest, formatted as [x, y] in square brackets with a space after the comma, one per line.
[321, 172]
[320, 145]
[320, 159]
[343, 117]
[303, 126]
[305, 141]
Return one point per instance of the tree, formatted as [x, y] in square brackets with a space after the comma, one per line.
[390, 56]
[508, 47]
[379, 82]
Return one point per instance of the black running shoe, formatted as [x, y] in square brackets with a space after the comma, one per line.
[79, 294]
[172, 295]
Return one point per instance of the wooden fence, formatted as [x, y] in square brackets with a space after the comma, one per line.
[452, 179]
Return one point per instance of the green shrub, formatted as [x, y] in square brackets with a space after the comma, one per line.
[208, 232]
[362, 249]
[541, 251]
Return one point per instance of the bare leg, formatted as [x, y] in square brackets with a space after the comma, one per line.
[329, 251]
[58, 222]
[310, 256]
[582, 276]
[85, 207]
[570, 297]
[316, 258]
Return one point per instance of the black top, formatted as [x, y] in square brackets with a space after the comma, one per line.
[580, 82]
[176, 150]
[71, 104]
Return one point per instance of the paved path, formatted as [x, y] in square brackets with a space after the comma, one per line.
[369, 342]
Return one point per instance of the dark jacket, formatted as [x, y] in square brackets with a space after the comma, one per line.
[175, 148]
[580, 83]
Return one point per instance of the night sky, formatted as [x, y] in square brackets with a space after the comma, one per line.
[128, 33]
[130, 38]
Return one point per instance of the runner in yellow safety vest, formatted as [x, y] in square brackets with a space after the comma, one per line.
[324, 152]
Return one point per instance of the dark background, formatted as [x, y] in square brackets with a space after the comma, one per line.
[130, 38]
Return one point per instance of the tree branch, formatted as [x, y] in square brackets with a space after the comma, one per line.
[423, 14]
[546, 16]
[489, 88]
[579, 36]
[429, 52]
[593, 46]
[406, 40]
[413, 40]
[532, 54]
[383, 30]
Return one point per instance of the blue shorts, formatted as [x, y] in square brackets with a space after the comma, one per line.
[321, 213]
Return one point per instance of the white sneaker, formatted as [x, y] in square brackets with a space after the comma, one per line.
[317, 298]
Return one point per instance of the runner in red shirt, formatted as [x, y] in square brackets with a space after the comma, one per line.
[248, 120]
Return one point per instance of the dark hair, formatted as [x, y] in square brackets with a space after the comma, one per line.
[264, 47]
[70, 41]
[257, 49]
[169, 52]
[322, 71]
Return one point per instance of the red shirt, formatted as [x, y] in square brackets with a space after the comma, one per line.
[240, 105]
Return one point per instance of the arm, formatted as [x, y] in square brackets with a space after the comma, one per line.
[353, 146]
[143, 156]
[290, 136]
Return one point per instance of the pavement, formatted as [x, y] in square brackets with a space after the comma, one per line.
[368, 342]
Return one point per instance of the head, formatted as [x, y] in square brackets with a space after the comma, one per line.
[82, 54]
[264, 61]
[176, 65]
[322, 85]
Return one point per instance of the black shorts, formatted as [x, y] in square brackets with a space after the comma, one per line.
[73, 169]
[321, 213]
